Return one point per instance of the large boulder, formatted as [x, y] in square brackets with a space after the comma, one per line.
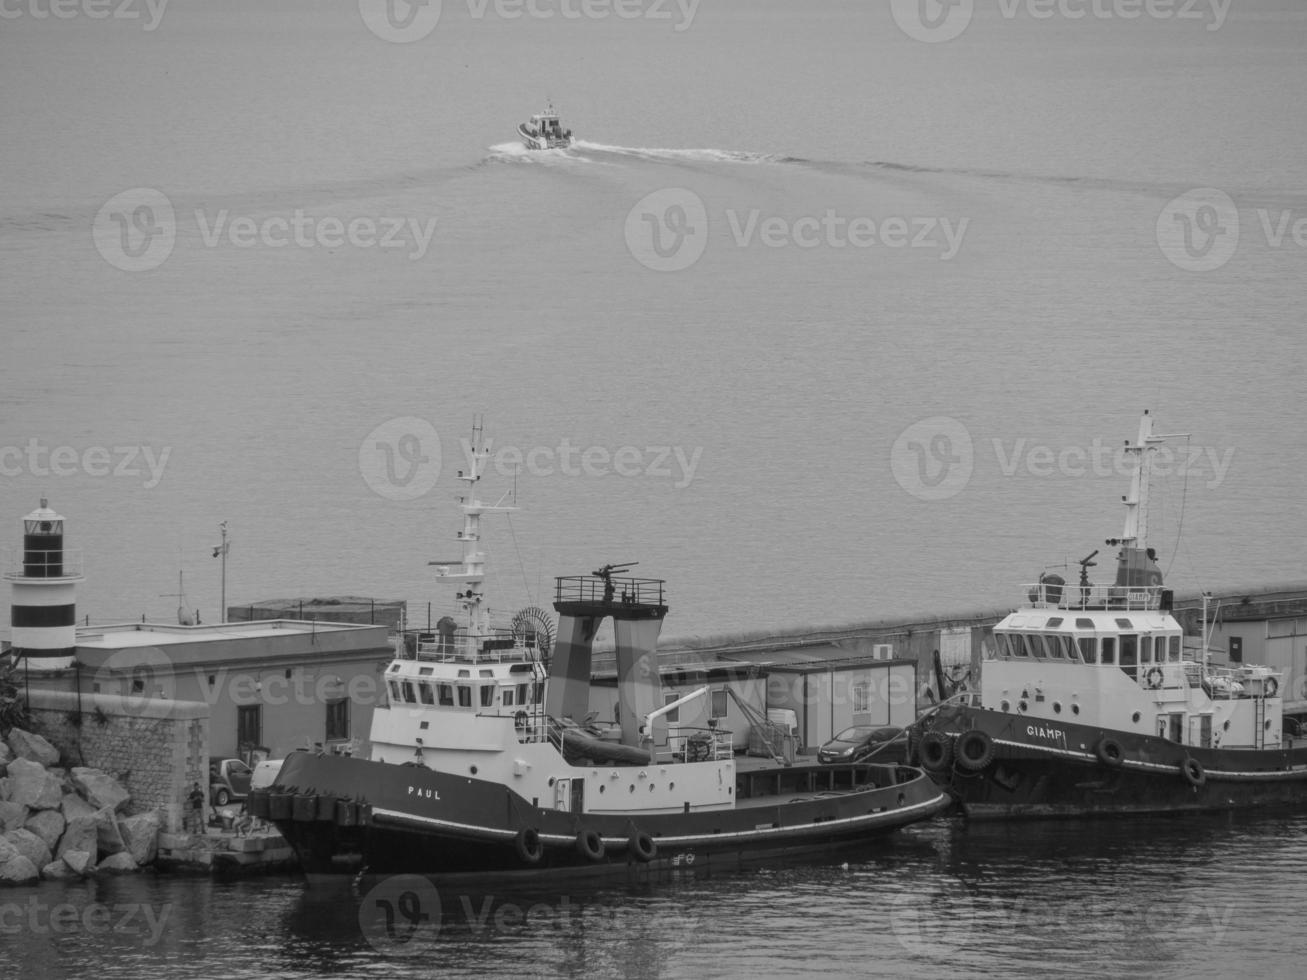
[99, 788]
[47, 825]
[79, 835]
[27, 745]
[7, 850]
[74, 806]
[18, 871]
[56, 870]
[141, 836]
[80, 862]
[29, 846]
[118, 863]
[12, 815]
[108, 839]
[6, 757]
[31, 785]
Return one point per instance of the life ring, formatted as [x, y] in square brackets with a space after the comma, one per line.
[975, 750]
[1193, 771]
[1272, 687]
[590, 845]
[528, 846]
[642, 847]
[1109, 752]
[1153, 678]
[936, 751]
[521, 721]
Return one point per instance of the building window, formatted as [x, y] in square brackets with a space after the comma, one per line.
[249, 725]
[861, 701]
[338, 719]
[1236, 649]
[719, 704]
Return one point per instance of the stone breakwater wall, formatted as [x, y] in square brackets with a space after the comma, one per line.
[155, 747]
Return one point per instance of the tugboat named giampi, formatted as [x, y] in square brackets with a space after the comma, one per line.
[483, 764]
[1090, 703]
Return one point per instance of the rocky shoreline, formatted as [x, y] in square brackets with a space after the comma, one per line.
[59, 821]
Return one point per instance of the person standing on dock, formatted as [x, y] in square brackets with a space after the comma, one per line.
[195, 803]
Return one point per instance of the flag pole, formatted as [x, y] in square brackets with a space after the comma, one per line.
[221, 552]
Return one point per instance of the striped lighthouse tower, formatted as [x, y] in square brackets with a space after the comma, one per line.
[44, 610]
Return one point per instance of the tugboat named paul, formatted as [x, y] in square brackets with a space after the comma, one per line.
[543, 131]
[483, 762]
[1091, 704]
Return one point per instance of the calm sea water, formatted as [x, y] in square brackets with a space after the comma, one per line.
[791, 428]
[1203, 897]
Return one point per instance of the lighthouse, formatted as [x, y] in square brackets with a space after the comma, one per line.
[44, 610]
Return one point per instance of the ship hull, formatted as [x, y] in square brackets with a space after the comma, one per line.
[1030, 768]
[347, 816]
[534, 142]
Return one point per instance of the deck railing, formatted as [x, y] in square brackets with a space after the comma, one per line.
[618, 591]
[1052, 595]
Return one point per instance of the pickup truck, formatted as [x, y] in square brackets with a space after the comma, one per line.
[229, 779]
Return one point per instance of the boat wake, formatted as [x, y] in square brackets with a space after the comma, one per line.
[690, 155]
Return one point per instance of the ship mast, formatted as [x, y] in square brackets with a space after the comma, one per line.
[473, 562]
[1136, 502]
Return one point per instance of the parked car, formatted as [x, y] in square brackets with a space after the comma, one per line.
[866, 742]
[229, 780]
[265, 773]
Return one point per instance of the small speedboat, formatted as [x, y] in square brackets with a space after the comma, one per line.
[544, 132]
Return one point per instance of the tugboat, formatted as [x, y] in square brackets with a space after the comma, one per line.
[543, 131]
[1090, 703]
[483, 762]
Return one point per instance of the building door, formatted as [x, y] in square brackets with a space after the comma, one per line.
[249, 726]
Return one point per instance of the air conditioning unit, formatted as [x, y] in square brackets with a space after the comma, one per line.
[883, 651]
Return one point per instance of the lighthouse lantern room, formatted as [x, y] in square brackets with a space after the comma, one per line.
[43, 614]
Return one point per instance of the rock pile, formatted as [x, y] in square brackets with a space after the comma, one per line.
[65, 823]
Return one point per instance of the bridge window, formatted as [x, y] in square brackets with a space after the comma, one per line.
[673, 716]
[1084, 623]
[521, 694]
[464, 696]
[446, 694]
[428, 696]
[1068, 648]
[1145, 649]
[1129, 654]
[1173, 649]
[487, 695]
[409, 694]
[719, 705]
[394, 692]
[1109, 650]
[508, 696]
[1053, 647]
[1088, 649]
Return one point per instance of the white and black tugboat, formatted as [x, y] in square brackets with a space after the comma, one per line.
[1091, 703]
[482, 763]
[543, 131]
